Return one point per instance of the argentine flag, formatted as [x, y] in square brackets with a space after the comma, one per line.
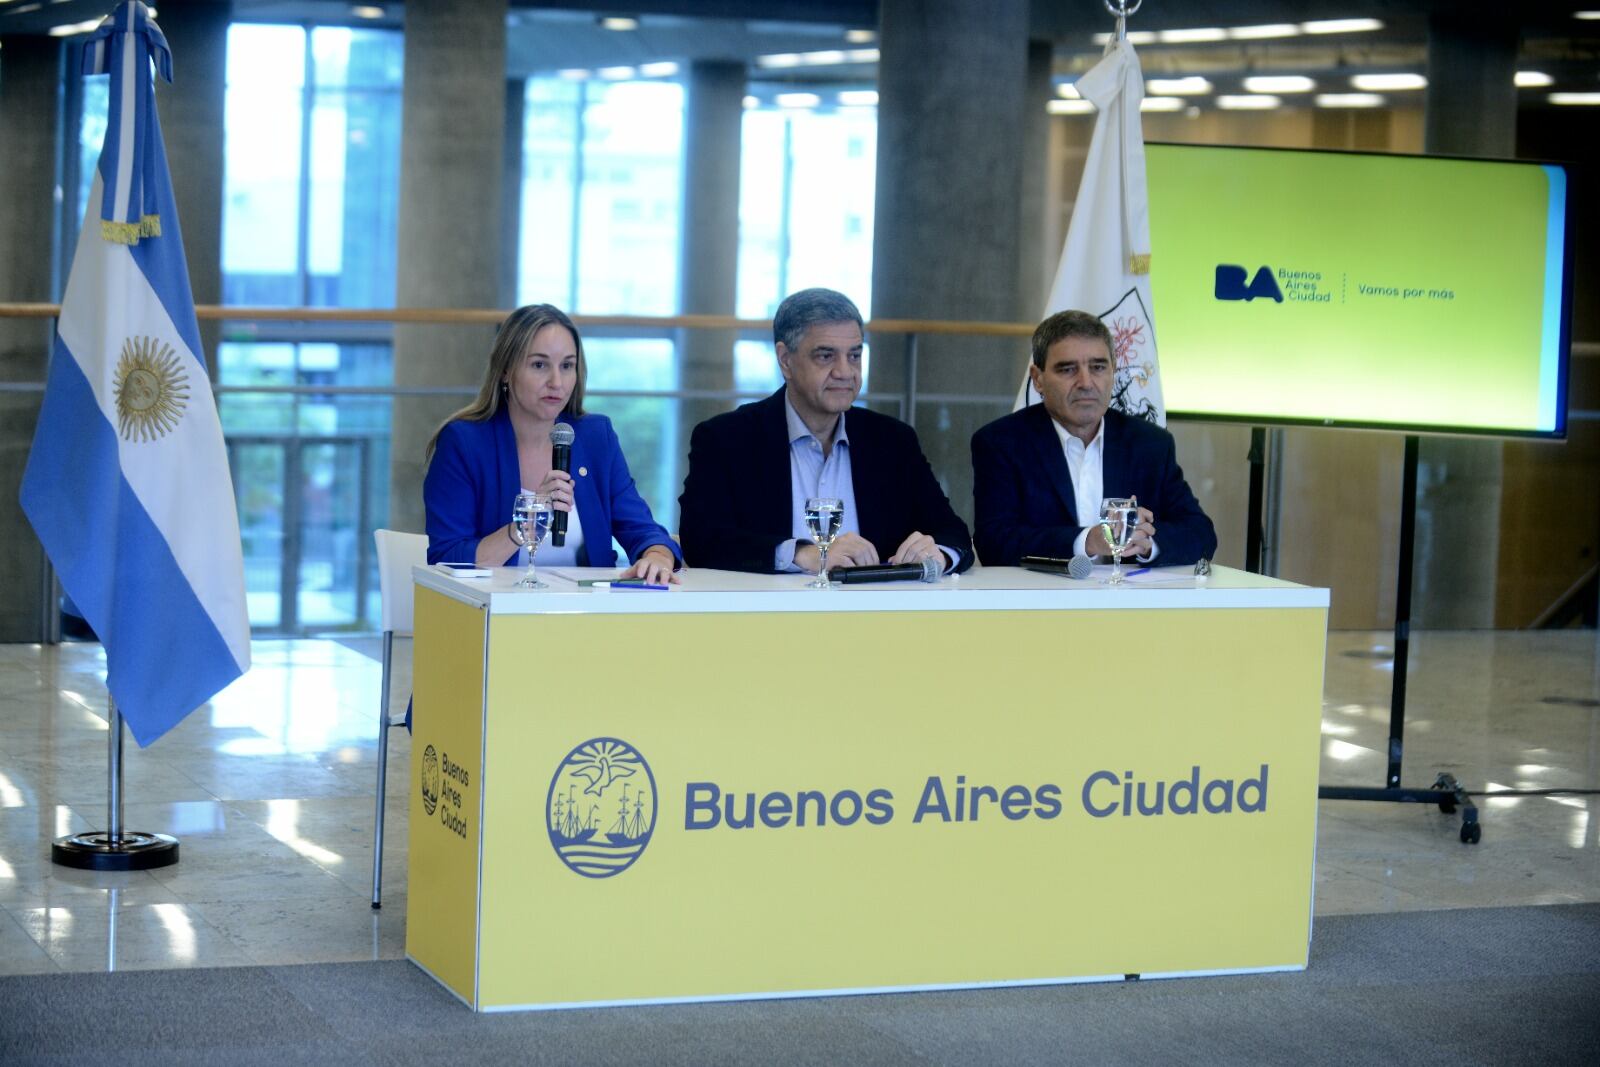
[127, 483]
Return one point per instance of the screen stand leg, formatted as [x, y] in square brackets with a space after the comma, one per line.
[1446, 791]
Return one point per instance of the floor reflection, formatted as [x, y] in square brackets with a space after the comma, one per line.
[270, 786]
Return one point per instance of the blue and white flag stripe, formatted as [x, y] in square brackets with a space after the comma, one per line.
[127, 483]
[124, 46]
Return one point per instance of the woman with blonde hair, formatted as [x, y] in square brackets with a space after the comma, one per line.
[499, 445]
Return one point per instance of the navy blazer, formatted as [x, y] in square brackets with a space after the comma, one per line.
[1024, 497]
[474, 477]
[737, 500]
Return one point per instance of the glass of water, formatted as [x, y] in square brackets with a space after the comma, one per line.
[824, 514]
[1119, 519]
[530, 514]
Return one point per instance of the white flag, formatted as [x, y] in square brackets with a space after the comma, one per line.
[1105, 265]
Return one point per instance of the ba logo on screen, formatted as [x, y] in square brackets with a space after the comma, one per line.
[601, 808]
[1235, 283]
[430, 780]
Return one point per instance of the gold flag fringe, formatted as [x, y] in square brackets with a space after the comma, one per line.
[129, 233]
[1139, 263]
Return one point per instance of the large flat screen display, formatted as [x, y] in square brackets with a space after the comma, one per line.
[1401, 292]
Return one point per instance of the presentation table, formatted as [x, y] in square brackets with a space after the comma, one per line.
[745, 788]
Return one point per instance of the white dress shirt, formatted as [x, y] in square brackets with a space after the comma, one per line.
[1086, 464]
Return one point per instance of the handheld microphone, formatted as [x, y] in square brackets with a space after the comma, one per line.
[929, 570]
[1079, 567]
[561, 438]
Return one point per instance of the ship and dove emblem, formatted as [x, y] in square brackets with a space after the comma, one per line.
[600, 810]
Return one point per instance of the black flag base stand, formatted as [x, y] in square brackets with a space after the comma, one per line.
[114, 849]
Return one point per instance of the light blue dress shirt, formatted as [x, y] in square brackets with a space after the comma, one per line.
[810, 474]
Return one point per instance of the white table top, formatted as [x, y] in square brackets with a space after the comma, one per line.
[980, 589]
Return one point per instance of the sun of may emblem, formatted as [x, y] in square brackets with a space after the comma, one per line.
[151, 389]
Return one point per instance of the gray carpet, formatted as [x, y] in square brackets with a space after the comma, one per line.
[1486, 986]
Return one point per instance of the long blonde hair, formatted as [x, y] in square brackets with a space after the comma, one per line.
[510, 344]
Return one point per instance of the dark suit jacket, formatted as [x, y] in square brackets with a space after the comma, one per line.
[736, 500]
[1024, 496]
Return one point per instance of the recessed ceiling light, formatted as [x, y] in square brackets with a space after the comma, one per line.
[858, 97]
[1134, 37]
[1248, 103]
[366, 11]
[751, 103]
[1190, 86]
[573, 75]
[1259, 33]
[1587, 16]
[658, 70]
[1068, 107]
[1387, 83]
[828, 58]
[616, 74]
[862, 55]
[1581, 99]
[1349, 100]
[797, 99]
[1162, 103]
[1194, 36]
[1279, 83]
[618, 22]
[1342, 26]
[72, 29]
[860, 36]
[1533, 79]
[781, 59]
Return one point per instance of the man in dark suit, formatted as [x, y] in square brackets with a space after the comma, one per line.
[1039, 474]
[751, 470]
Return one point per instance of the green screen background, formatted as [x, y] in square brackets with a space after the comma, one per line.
[1417, 227]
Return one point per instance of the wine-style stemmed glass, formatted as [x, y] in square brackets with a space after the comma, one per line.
[1119, 519]
[823, 517]
[530, 514]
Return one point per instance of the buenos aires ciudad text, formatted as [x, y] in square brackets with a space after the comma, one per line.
[944, 799]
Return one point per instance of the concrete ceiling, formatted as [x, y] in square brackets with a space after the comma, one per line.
[545, 36]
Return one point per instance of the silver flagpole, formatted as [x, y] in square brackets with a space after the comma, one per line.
[114, 849]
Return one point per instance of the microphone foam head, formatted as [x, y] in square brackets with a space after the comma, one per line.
[562, 434]
[1080, 567]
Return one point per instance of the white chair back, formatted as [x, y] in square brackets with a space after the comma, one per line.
[397, 554]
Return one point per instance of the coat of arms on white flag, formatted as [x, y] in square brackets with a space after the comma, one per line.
[1105, 264]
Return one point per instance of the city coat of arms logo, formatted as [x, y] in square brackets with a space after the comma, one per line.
[430, 780]
[601, 808]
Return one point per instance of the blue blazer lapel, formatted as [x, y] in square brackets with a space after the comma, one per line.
[1052, 460]
[586, 495]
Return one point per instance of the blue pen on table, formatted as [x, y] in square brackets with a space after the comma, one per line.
[1141, 570]
[631, 584]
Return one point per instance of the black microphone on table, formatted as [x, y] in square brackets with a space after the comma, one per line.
[1079, 567]
[561, 438]
[929, 570]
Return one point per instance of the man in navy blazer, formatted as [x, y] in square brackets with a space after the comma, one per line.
[752, 469]
[1039, 474]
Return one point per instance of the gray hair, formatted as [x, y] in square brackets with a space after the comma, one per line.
[1065, 324]
[811, 307]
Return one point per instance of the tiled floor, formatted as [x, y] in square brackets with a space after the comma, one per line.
[269, 788]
